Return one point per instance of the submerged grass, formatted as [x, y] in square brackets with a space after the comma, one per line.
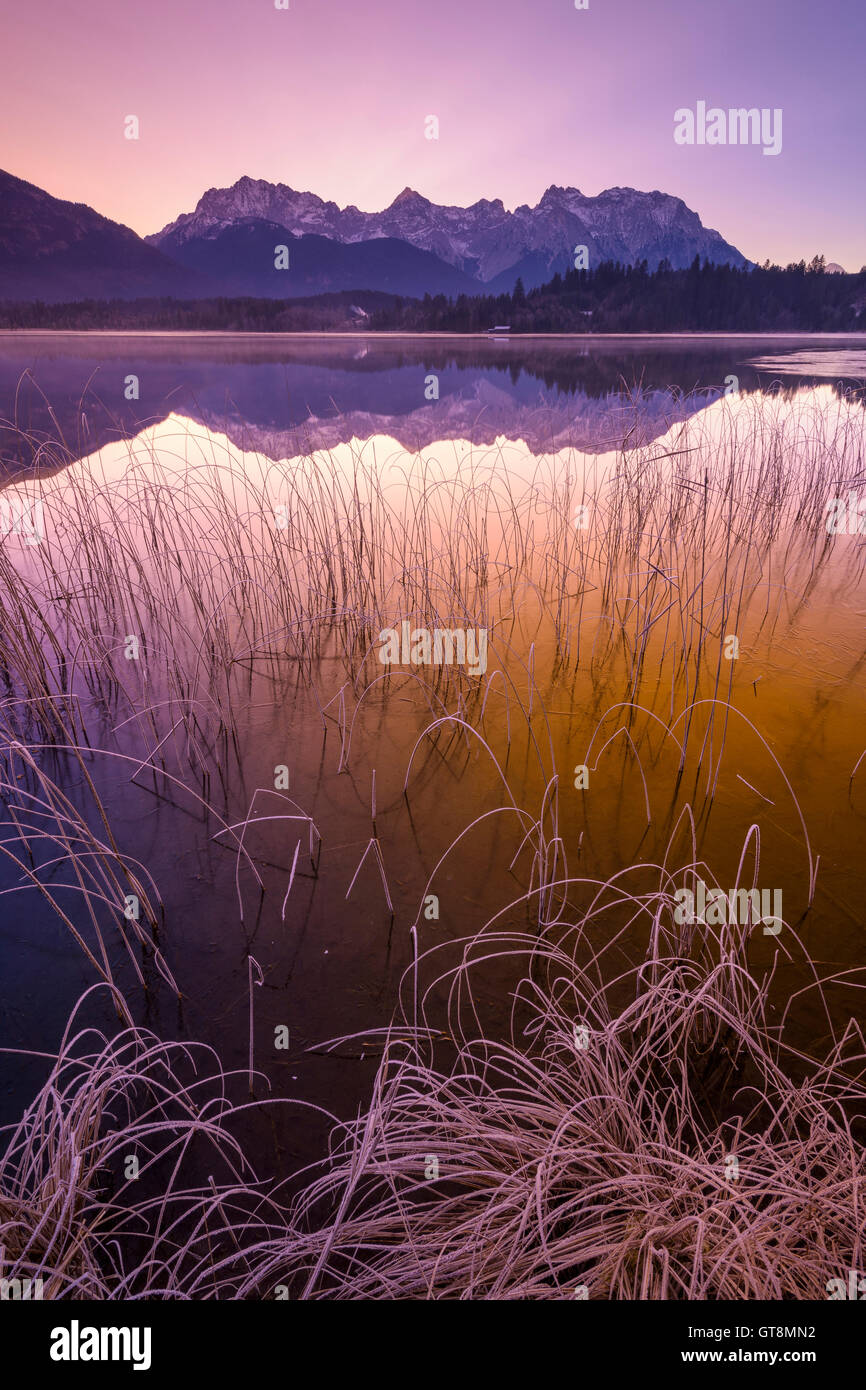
[656, 1150]
[645, 1134]
[647, 1128]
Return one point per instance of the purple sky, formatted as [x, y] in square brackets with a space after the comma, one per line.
[331, 96]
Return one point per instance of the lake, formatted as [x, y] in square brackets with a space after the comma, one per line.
[291, 393]
[248, 776]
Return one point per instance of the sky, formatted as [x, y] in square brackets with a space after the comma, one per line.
[332, 96]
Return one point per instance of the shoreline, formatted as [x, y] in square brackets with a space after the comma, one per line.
[387, 335]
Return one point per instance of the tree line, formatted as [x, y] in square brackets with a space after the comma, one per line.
[616, 298]
[612, 298]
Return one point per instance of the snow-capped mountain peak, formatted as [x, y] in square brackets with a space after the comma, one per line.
[484, 240]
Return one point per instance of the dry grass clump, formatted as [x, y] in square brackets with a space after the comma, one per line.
[666, 1152]
[94, 1199]
[640, 1138]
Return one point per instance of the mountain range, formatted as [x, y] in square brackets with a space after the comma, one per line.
[55, 250]
[484, 241]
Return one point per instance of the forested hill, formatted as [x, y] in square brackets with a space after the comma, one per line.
[631, 299]
[613, 298]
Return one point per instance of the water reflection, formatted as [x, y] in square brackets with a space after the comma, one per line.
[258, 632]
[287, 396]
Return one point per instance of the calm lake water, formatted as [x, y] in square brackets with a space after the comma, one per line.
[287, 394]
[264, 508]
